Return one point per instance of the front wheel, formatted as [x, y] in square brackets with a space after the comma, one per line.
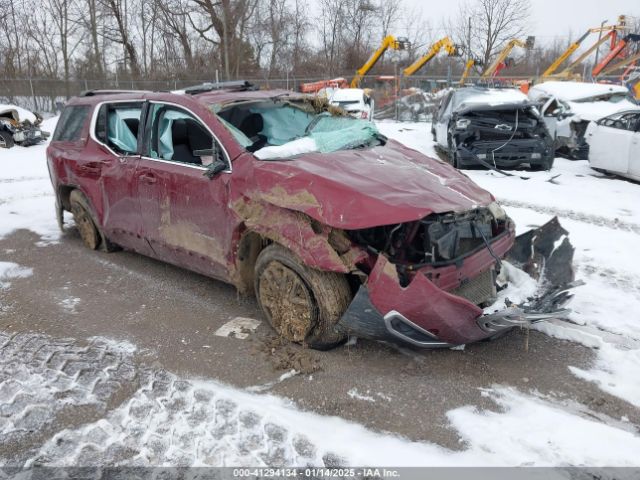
[84, 222]
[302, 304]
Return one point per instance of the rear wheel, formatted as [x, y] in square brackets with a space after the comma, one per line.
[6, 140]
[302, 304]
[84, 222]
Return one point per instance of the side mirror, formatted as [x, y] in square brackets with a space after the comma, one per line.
[219, 163]
[215, 168]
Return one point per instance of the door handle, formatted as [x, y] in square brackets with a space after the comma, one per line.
[149, 178]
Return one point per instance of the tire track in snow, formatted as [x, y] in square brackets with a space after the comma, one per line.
[597, 220]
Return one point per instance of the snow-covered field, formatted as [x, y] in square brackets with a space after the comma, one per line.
[202, 422]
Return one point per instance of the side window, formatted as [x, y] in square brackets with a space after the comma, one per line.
[70, 124]
[117, 126]
[177, 135]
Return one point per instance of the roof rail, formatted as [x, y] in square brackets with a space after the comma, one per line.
[91, 93]
[238, 85]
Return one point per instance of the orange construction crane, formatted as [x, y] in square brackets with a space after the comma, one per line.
[315, 87]
[615, 51]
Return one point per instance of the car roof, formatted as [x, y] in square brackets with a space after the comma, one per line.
[219, 97]
[491, 97]
[572, 91]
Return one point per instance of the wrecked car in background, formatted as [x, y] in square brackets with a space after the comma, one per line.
[336, 229]
[569, 107]
[357, 102]
[20, 127]
[487, 126]
[614, 144]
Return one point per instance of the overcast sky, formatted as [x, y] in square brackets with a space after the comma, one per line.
[549, 18]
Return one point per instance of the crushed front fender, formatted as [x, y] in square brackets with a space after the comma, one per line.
[423, 315]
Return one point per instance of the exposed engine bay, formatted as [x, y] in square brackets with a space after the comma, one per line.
[436, 240]
[505, 136]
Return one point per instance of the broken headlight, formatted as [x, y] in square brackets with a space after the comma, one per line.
[463, 124]
[497, 211]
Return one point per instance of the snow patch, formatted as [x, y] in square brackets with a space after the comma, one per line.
[10, 270]
[520, 287]
[353, 393]
[532, 431]
[238, 327]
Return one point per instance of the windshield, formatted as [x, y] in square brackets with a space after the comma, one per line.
[283, 129]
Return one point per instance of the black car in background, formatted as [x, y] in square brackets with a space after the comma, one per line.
[500, 127]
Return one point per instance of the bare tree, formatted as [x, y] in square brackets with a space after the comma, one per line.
[332, 32]
[227, 20]
[120, 32]
[67, 25]
[492, 24]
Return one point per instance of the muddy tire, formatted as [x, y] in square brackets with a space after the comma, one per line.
[6, 140]
[84, 221]
[302, 304]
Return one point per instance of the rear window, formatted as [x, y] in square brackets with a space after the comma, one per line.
[117, 126]
[70, 124]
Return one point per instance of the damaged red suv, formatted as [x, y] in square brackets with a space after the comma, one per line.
[336, 229]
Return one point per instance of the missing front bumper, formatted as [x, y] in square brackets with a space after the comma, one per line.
[362, 319]
[425, 316]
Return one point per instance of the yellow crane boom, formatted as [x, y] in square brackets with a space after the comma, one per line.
[388, 42]
[566, 73]
[566, 54]
[467, 69]
[446, 43]
[491, 69]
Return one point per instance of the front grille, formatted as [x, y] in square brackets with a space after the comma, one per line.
[478, 290]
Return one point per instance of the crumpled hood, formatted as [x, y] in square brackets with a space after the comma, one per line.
[355, 189]
[594, 111]
[17, 113]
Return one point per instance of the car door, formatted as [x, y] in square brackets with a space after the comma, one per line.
[634, 151]
[609, 144]
[549, 105]
[115, 130]
[442, 124]
[184, 208]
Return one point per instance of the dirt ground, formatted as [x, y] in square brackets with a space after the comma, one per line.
[172, 315]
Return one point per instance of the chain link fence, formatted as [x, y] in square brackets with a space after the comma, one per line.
[393, 94]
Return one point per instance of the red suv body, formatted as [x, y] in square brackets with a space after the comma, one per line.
[373, 239]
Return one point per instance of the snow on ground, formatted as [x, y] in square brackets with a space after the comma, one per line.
[171, 421]
[26, 197]
[603, 218]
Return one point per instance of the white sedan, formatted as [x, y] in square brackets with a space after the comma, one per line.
[614, 144]
[356, 101]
